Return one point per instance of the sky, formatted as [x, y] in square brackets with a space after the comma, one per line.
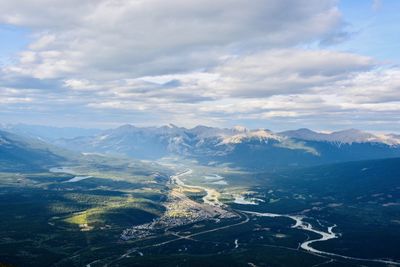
[275, 64]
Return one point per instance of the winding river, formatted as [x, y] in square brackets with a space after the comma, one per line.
[324, 236]
[211, 198]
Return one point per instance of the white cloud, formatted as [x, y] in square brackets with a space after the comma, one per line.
[378, 86]
[91, 39]
[189, 62]
[288, 71]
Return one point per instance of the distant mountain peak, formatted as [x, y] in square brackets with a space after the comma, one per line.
[351, 131]
[239, 128]
[171, 125]
[353, 136]
[260, 134]
[347, 136]
[126, 127]
[303, 134]
[305, 130]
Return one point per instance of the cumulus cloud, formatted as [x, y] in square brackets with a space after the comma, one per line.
[188, 62]
[157, 37]
[379, 86]
[288, 71]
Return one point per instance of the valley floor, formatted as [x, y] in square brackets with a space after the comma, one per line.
[189, 215]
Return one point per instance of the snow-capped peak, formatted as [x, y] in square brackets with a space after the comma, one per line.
[348, 136]
[260, 134]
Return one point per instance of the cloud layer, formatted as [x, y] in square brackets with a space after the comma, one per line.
[261, 63]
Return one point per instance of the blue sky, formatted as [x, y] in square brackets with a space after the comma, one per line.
[13, 40]
[275, 64]
[376, 28]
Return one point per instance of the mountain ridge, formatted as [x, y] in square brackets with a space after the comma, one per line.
[239, 146]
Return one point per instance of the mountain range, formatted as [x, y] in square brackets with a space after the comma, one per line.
[24, 153]
[238, 146]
